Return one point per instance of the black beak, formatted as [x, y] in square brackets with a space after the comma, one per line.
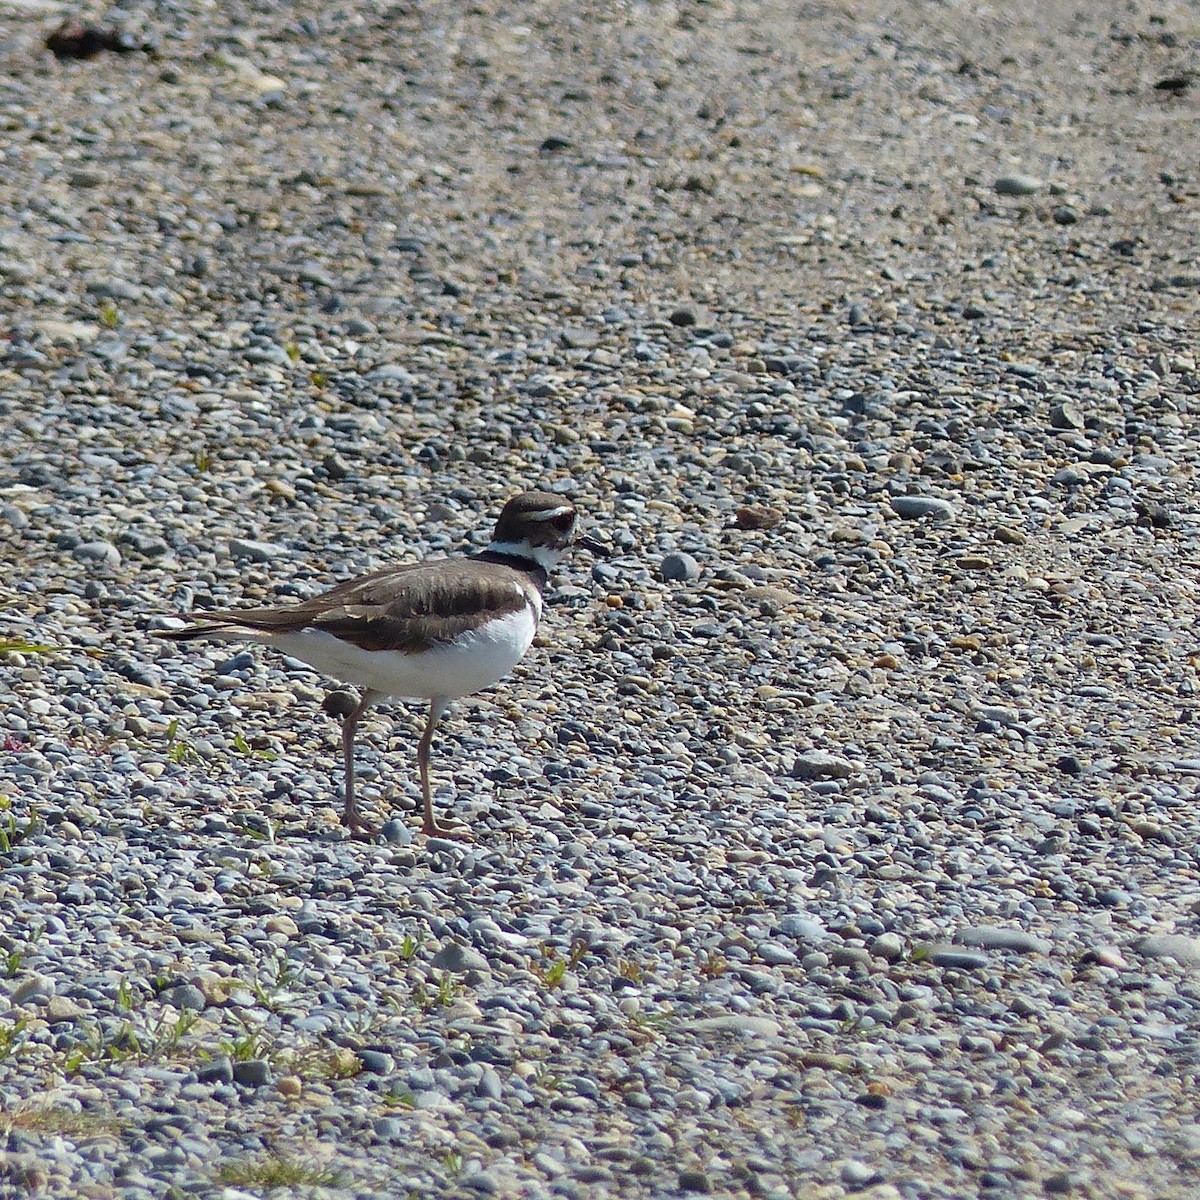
[596, 548]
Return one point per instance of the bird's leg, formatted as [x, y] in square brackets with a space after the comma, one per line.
[350, 814]
[437, 709]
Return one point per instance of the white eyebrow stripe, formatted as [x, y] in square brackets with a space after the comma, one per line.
[548, 514]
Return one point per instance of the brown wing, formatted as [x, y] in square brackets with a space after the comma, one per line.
[406, 608]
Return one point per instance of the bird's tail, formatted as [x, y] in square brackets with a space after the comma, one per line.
[202, 625]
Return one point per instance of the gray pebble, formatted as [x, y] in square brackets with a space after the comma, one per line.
[989, 937]
[458, 958]
[857, 1175]
[735, 1024]
[216, 1070]
[246, 550]
[1180, 947]
[775, 955]
[376, 1062]
[1066, 415]
[956, 957]
[34, 989]
[389, 1128]
[679, 568]
[913, 508]
[185, 997]
[99, 553]
[13, 517]
[397, 832]
[806, 928]
[887, 946]
[490, 1085]
[820, 764]
[1018, 185]
[252, 1072]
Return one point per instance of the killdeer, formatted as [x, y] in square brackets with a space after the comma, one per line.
[436, 630]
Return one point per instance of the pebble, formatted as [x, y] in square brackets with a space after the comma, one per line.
[397, 832]
[857, 1175]
[98, 553]
[1067, 415]
[62, 1009]
[888, 946]
[249, 550]
[1018, 185]
[735, 1024]
[186, 997]
[913, 508]
[216, 1070]
[1179, 947]
[679, 568]
[376, 1062]
[458, 958]
[989, 937]
[953, 956]
[252, 1072]
[34, 989]
[820, 764]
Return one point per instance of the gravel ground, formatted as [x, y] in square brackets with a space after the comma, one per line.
[839, 835]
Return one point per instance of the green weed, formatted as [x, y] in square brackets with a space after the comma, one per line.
[179, 749]
[274, 1171]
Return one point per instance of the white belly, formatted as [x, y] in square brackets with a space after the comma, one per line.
[452, 670]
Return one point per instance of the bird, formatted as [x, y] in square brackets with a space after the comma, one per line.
[435, 630]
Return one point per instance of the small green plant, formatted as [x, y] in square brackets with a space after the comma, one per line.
[14, 957]
[448, 989]
[202, 460]
[319, 379]
[125, 997]
[109, 315]
[552, 976]
[648, 1026]
[273, 1171]
[627, 968]
[12, 1036]
[401, 1099]
[75, 1125]
[292, 350]
[179, 749]
[319, 1062]
[276, 975]
[145, 1041]
[715, 965]
[452, 1163]
[13, 832]
[246, 1046]
[446, 993]
[553, 968]
[547, 1080]
[74, 1060]
[243, 747]
[21, 646]
[249, 826]
[409, 947]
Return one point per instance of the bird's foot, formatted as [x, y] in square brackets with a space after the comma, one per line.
[455, 833]
[358, 828]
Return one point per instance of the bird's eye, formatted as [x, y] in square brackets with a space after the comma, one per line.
[564, 522]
